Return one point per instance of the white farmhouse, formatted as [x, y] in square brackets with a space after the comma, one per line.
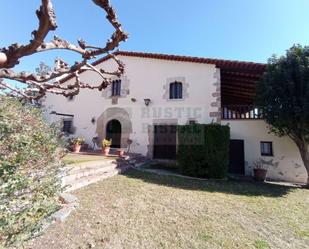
[158, 92]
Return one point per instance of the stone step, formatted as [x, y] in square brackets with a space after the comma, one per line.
[82, 182]
[87, 165]
[63, 213]
[90, 171]
[80, 176]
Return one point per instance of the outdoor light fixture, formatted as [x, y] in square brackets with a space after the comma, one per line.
[147, 102]
[93, 120]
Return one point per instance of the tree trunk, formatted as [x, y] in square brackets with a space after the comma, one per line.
[304, 152]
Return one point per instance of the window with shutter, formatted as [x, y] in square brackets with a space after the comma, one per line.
[116, 88]
[176, 90]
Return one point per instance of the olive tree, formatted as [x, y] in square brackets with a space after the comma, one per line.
[283, 95]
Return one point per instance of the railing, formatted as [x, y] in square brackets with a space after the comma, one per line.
[241, 112]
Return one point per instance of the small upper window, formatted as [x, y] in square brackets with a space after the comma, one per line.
[116, 88]
[67, 126]
[266, 149]
[176, 90]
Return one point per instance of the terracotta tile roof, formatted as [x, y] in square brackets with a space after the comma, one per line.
[231, 65]
[218, 62]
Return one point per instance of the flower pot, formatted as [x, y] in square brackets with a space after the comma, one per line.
[120, 153]
[76, 148]
[260, 174]
[105, 151]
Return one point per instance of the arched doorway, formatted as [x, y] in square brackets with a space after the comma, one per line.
[113, 131]
[119, 114]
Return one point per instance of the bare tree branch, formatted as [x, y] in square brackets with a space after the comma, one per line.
[47, 23]
[37, 84]
[4, 86]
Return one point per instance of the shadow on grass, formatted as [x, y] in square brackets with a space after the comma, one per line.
[221, 186]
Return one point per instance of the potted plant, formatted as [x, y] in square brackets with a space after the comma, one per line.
[259, 170]
[77, 144]
[106, 145]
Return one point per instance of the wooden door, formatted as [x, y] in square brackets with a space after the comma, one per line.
[237, 157]
[113, 132]
[165, 137]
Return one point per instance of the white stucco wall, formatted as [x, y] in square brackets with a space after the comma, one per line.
[286, 164]
[148, 78]
[145, 78]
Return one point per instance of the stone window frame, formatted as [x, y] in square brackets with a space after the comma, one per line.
[124, 91]
[116, 88]
[166, 88]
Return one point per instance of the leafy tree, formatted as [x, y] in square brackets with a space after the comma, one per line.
[283, 95]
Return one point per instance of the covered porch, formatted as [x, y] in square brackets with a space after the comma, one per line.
[238, 82]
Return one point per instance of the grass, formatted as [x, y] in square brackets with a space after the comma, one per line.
[143, 210]
[75, 158]
[261, 244]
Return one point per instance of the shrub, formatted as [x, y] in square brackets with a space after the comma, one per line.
[106, 143]
[78, 141]
[203, 150]
[30, 164]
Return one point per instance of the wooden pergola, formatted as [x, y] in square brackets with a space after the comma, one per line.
[238, 83]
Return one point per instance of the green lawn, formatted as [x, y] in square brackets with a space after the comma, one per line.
[76, 158]
[143, 210]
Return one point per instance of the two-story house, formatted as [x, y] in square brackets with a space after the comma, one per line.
[158, 92]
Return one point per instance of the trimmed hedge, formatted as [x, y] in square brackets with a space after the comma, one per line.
[203, 150]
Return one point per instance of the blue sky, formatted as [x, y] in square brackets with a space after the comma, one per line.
[250, 30]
